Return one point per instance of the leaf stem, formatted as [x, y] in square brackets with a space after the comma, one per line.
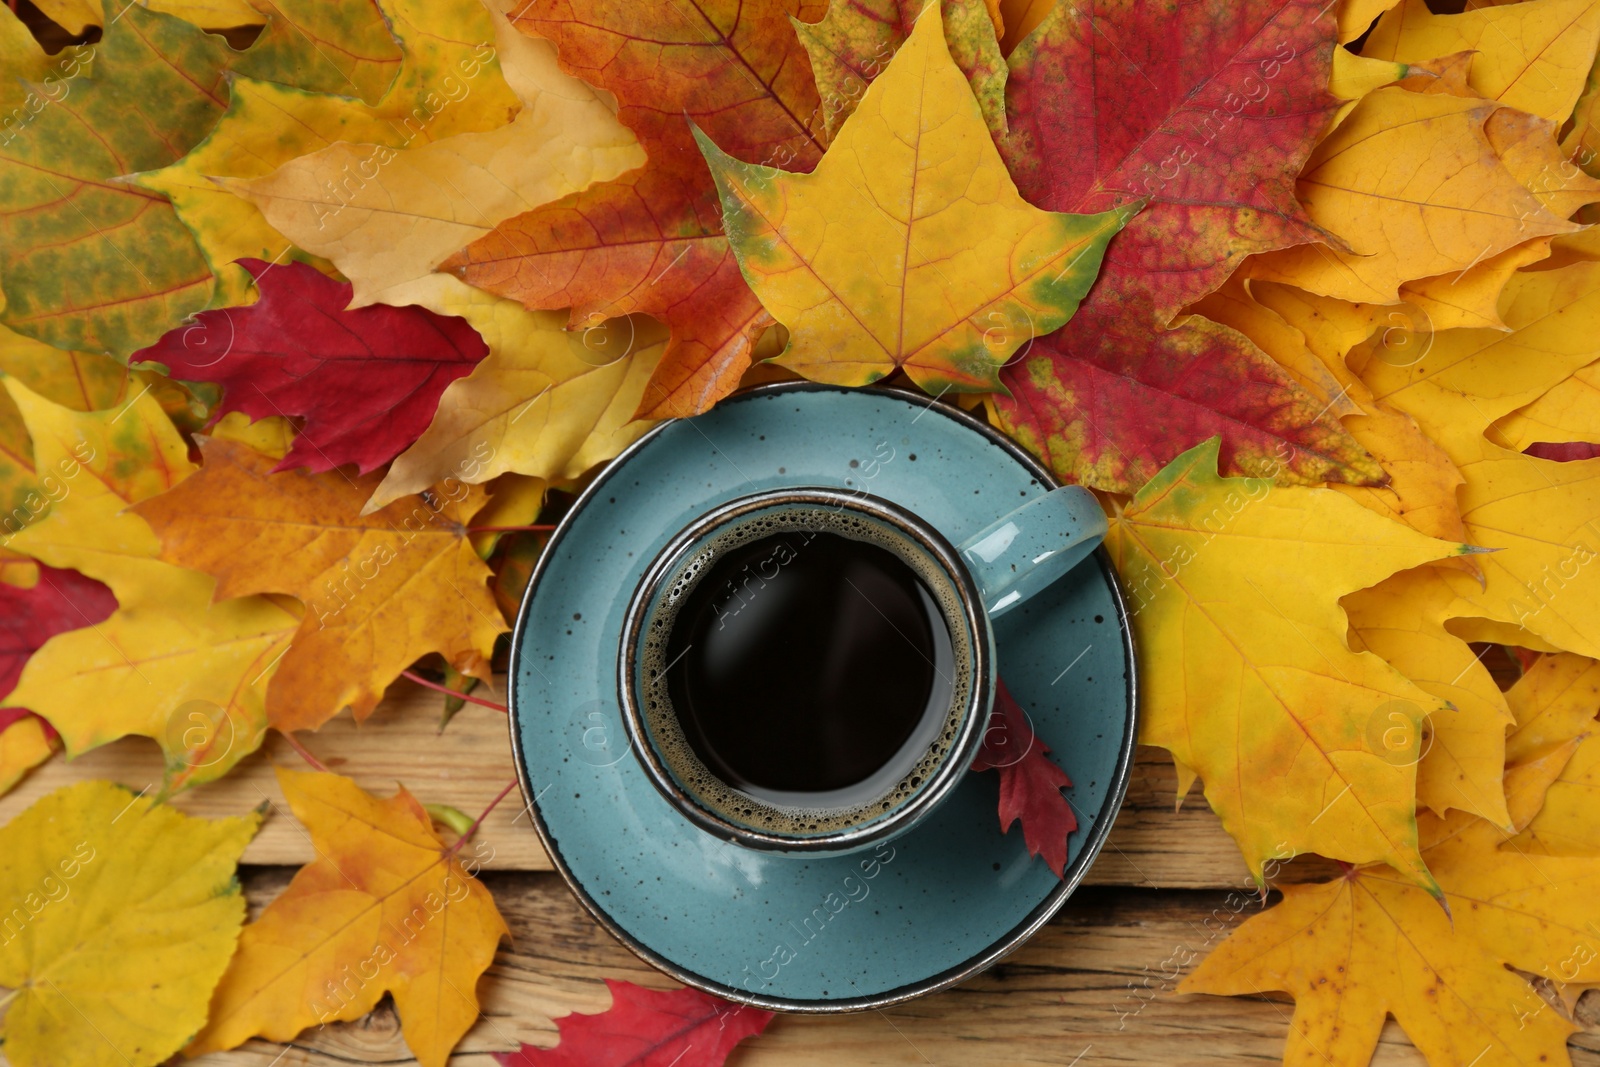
[468, 697]
[545, 527]
[479, 820]
[304, 752]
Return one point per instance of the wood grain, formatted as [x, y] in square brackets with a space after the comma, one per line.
[1066, 998]
[1151, 844]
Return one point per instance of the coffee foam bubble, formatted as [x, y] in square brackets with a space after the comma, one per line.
[661, 720]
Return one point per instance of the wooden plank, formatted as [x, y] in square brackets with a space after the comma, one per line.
[1151, 844]
[1067, 997]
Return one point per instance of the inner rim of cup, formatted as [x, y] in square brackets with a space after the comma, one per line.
[939, 747]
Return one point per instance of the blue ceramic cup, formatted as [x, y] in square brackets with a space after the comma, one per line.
[1005, 563]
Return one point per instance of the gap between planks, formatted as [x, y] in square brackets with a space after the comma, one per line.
[1151, 844]
[1063, 999]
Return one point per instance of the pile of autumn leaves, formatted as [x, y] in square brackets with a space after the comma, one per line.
[288, 328]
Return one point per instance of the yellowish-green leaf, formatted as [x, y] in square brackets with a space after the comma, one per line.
[129, 914]
[449, 83]
[909, 240]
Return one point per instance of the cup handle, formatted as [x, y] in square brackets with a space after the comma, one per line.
[1019, 554]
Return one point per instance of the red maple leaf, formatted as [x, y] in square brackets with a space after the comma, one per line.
[1564, 452]
[366, 382]
[647, 1028]
[652, 239]
[62, 600]
[1030, 782]
[1207, 111]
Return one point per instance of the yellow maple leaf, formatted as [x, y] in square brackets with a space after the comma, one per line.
[380, 591]
[1556, 700]
[168, 654]
[1463, 752]
[24, 745]
[386, 907]
[122, 916]
[1357, 16]
[909, 240]
[1413, 185]
[1538, 513]
[1532, 56]
[386, 217]
[1309, 335]
[546, 402]
[1365, 945]
[1233, 587]
[449, 83]
[1568, 411]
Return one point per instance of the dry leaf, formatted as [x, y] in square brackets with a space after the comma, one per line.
[384, 896]
[1233, 586]
[908, 241]
[380, 590]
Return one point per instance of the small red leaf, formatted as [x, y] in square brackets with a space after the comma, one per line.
[62, 600]
[367, 381]
[647, 1028]
[1030, 782]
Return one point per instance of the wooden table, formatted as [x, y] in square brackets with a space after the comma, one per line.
[1091, 988]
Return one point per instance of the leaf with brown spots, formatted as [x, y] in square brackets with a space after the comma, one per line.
[1368, 944]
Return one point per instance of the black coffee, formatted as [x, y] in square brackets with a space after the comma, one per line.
[803, 661]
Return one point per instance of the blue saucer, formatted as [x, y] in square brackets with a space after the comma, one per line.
[925, 911]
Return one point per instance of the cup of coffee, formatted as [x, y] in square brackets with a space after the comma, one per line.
[811, 671]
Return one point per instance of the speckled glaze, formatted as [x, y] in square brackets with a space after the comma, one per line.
[823, 934]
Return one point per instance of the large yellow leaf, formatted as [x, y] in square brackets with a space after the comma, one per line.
[909, 240]
[546, 402]
[106, 460]
[1413, 185]
[1532, 56]
[1368, 944]
[386, 217]
[1569, 411]
[122, 916]
[386, 907]
[169, 653]
[190, 674]
[449, 83]
[1463, 752]
[1234, 588]
[381, 591]
[1309, 335]
[1539, 513]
